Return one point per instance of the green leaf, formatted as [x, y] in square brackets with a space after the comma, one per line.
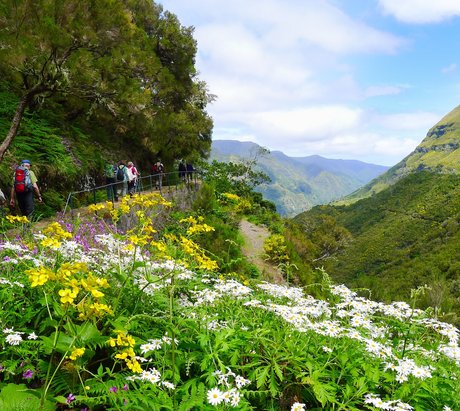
[323, 393]
[19, 397]
[262, 375]
[87, 332]
[278, 371]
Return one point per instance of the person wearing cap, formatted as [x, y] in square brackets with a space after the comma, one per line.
[26, 199]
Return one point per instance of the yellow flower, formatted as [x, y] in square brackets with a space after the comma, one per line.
[190, 220]
[16, 218]
[57, 231]
[39, 276]
[134, 365]
[161, 247]
[129, 352]
[231, 197]
[100, 309]
[96, 207]
[149, 229]
[96, 293]
[129, 247]
[199, 228]
[67, 296]
[77, 353]
[115, 215]
[124, 208]
[138, 240]
[50, 242]
[102, 282]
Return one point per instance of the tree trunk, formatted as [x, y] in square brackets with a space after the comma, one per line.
[14, 125]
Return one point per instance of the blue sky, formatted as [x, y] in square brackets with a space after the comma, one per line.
[351, 79]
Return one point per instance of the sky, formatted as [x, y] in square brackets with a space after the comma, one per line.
[344, 79]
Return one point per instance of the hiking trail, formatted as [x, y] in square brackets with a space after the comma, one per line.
[254, 237]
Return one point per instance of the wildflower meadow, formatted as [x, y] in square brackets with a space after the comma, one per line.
[122, 309]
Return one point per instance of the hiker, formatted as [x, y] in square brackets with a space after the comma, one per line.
[190, 171]
[122, 178]
[182, 170]
[132, 177]
[24, 185]
[158, 170]
[110, 181]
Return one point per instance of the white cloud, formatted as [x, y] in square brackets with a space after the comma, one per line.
[421, 11]
[291, 75]
[313, 123]
[374, 91]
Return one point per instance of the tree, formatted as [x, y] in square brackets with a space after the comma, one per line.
[125, 63]
[237, 178]
[51, 47]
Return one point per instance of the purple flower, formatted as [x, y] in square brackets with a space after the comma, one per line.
[70, 398]
[113, 389]
[6, 258]
[125, 387]
[84, 409]
[28, 374]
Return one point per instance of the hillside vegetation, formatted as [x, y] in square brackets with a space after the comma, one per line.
[403, 237]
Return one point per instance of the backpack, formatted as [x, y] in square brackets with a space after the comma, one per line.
[109, 171]
[121, 173]
[22, 181]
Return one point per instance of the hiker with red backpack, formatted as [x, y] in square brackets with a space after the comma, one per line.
[24, 185]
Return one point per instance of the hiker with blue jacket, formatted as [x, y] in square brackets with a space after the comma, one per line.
[24, 186]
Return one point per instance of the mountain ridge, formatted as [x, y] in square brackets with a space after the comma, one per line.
[438, 152]
[299, 183]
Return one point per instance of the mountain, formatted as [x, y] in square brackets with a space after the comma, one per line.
[404, 231]
[439, 152]
[401, 238]
[299, 183]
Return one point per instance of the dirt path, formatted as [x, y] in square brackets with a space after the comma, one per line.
[254, 237]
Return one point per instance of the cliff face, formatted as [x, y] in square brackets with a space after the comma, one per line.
[439, 152]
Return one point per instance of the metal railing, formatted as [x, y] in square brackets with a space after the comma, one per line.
[163, 182]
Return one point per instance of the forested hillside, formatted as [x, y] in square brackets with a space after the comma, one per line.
[399, 239]
[83, 84]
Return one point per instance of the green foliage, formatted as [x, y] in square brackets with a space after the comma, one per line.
[403, 237]
[18, 397]
[236, 178]
[75, 331]
[122, 73]
[205, 201]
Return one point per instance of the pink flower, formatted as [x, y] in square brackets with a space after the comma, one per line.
[28, 374]
[70, 398]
